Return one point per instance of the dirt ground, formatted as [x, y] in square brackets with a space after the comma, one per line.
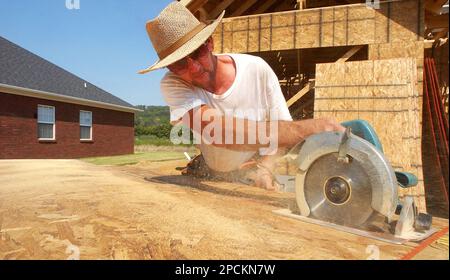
[60, 209]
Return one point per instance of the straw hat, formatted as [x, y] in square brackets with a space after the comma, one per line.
[176, 33]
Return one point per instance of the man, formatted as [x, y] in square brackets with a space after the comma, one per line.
[235, 89]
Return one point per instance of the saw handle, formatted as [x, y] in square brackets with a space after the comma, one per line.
[364, 130]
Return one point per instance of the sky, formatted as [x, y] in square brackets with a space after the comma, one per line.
[103, 42]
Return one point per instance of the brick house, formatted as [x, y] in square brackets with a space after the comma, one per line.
[49, 113]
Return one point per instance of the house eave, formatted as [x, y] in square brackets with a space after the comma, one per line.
[62, 98]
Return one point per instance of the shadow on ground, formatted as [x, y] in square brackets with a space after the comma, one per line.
[194, 183]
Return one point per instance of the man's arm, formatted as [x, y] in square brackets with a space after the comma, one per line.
[287, 133]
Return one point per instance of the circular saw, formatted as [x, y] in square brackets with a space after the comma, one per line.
[343, 179]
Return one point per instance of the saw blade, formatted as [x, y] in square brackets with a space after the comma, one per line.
[338, 192]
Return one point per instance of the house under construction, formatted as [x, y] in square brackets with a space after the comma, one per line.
[382, 61]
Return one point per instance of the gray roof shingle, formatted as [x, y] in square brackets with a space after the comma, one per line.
[21, 68]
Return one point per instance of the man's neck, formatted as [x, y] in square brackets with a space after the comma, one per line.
[225, 75]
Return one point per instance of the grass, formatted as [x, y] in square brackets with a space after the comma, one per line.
[153, 141]
[135, 158]
[149, 148]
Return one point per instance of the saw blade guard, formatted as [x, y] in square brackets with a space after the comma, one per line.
[381, 176]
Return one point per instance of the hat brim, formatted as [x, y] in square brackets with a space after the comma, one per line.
[188, 48]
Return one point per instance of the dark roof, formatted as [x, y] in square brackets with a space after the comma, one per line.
[21, 68]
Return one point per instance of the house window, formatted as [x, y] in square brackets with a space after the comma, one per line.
[46, 122]
[85, 125]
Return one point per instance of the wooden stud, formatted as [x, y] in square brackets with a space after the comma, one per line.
[301, 4]
[299, 94]
[349, 54]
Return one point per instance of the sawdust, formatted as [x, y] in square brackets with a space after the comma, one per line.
[147, 211]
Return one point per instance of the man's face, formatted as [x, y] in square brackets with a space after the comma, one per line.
[198, 68]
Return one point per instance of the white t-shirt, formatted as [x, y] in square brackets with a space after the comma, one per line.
[254, 93]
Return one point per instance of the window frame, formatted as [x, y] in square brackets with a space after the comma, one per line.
[91, 126]
[41, 122]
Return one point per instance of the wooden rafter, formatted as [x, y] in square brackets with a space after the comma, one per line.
[243, 8]
[193, 5]
[186, 2]
[436, 21]
[265, 6]
[434, 6]
[440, 34]
[222, 6]
[202, 14]
[285, 5]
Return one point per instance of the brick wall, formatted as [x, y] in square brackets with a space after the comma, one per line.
[112, 131]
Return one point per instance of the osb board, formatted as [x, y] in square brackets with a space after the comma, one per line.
[413, 49]
[149, 211]
[383, 92]
[355, 24]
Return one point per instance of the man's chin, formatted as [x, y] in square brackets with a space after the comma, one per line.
[201, 80]
[201, 76]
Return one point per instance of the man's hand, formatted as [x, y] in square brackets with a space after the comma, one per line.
[330, 124]
[265, 180]
[265, 175]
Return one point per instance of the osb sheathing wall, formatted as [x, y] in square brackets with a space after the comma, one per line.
[356, 24]
[394, 30]
[383, 92]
